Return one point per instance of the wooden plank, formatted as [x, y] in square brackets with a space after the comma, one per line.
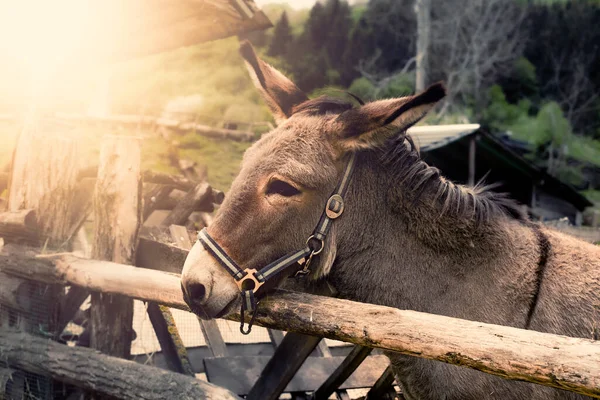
[117, 214]
[188, 204]
[281, 368]
[148, 176]
[81, 206]
[166, 331]
[197, 354]
[100, 373]
[383, 388]
[177, 196]
[20, 227]
[276, 337]
[44, 177]
[151, 254]
[180, 236]
[153, 197]
[213, 337]
[169, 339]
[552, 360]
[238, 374]
[342, 372]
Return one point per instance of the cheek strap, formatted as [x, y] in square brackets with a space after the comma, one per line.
[249, 280]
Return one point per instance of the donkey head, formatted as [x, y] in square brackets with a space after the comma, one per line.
[286, 178]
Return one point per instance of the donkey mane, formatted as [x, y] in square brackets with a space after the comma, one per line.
[478, 202]
[325, 105]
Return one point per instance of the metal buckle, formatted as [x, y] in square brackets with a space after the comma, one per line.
[249, 277]
[333, 214]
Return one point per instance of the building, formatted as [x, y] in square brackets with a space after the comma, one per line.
[466, 154]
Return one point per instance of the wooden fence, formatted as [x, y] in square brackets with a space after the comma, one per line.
[131, 262]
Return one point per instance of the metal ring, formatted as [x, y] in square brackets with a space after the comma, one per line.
[315, 251]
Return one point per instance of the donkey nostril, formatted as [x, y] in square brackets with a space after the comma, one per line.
[196, 291]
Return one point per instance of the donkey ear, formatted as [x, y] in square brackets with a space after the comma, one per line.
[373, 123]
[279, 92]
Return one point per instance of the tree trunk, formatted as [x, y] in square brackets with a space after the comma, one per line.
[423, 8]
[117, 212]
[100, 373]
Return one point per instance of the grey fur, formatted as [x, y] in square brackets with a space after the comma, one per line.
[408, 239]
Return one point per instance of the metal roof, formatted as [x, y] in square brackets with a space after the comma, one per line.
[429, 137]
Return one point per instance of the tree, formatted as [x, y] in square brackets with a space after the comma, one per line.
[282, 37]
[319, 51]
[423, 8]
[565, 49]
[473, 44]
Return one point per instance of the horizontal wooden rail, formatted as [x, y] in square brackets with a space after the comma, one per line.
[552, 360]
[91, 370]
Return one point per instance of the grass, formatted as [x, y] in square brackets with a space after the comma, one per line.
[222, 157]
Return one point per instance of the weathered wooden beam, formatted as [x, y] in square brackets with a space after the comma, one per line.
[117, 219]
[154, 197]
[557, 361]
[239, 374]
[234, 350]
[44, 175]
[166, 331]
[100, 373]
[176, 196]
[151, 254]
[168, 179]
[285, 363]
[218, 133]
[383, 388]
[19, 227]
[342, 372]
[169, 339]
[148, 176]
[188, 204]
[81, 206]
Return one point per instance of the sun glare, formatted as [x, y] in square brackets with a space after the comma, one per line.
[48, 41]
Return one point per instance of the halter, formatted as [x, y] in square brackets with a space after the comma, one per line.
[249, 280]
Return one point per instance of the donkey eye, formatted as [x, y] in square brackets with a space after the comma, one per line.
[281, 188]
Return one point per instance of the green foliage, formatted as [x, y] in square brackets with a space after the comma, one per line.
[500, 114]
[316, 56]
[282, 37]
[592, 195]
[363, 88]
[400, 85]
[223, 157]
[549, 132]
[213, 72]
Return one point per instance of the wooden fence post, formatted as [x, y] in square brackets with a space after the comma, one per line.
[43, 178]
[117, 211]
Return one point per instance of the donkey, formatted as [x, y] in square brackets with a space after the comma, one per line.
[408, 238]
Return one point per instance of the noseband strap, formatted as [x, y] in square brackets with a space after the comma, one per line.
[249, 280]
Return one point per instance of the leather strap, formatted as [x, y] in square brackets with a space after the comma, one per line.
[250, 280]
